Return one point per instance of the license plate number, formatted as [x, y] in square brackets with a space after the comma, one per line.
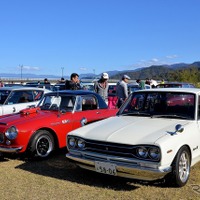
[105, 168]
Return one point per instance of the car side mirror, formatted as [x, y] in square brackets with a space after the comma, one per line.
[179, 128]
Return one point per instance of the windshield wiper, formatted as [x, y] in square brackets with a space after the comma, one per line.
[171, 116]
[136, 114]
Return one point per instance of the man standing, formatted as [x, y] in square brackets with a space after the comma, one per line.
[74, 83]
[141, 84]
[122, 90]
[101, 86]
[153, 83]
[1, 83]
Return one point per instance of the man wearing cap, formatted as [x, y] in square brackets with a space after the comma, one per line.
[101, 86]
[122, 90]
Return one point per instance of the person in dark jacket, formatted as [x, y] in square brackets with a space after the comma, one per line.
[73, 83]
[122, 90]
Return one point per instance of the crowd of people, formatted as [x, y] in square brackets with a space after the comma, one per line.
[101, 86]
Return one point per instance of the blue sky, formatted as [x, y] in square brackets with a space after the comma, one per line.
[56, 37]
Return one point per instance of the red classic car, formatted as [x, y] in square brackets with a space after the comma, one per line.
[40, 130]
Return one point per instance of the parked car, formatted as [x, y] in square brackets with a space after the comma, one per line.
[40, 130]
[132, 87]
[14, 99]
[40, 85]
[12, 85]
[87, 86]
[59, 86]
[112, 97]
[175, 85]
[112, 88]
[155, 135]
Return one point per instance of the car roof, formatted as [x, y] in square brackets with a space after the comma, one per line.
[102, 103]
[187, 90]
[74, 92]
[87, 83]
[176, 83]
[23, 88]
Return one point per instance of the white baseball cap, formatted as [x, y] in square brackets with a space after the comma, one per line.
[126, 76]
[105, 75]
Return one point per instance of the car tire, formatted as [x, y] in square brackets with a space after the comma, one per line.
[180, 168]
[42, 144]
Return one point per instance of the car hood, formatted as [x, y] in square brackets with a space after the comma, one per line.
[129, 129]
[14, 119]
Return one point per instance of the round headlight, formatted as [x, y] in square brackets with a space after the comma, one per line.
[81, 143]
[11, 133]
[154, 153]
[71, 142]
[142, 152]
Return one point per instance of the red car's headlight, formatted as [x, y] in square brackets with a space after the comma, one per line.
[11, 133]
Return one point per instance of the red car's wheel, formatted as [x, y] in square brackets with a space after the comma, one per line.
[42, 144]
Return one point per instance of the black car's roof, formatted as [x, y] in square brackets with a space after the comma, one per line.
[102, 103]
[74, 92]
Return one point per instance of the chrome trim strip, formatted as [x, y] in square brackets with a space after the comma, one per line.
[131, 170]
[10, 149]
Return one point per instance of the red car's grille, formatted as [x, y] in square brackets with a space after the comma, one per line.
[2, 137]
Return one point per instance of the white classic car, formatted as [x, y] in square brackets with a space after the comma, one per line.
[14, 99]
[155, 135]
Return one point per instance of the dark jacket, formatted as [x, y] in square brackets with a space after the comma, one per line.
[69, 85]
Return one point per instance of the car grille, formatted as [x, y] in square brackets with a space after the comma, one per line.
[113, 149]
[1, 137]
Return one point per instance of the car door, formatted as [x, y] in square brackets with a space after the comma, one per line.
[87, 111]
[197, 139]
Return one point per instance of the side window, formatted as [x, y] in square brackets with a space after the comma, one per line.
[67, 103]
[20, 97]
[14, 97]
[89, 103]
[198, 109]
[26, 96]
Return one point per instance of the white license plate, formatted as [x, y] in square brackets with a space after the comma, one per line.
[105, 168]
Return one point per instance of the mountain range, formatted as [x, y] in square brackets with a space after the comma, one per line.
[157, 71]
[154, 71]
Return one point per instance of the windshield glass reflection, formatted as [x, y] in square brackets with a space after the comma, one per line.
[162, 104]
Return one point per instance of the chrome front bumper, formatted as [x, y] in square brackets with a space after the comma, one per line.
[125, 167]
[10, 149]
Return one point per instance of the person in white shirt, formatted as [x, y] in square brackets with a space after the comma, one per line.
[101, 86]
[153, 83]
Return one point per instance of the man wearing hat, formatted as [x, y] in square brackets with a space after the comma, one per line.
[122, 90]
[101, 86]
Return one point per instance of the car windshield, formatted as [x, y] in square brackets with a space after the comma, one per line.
[3, 95]
[56, 102]
[160, 104]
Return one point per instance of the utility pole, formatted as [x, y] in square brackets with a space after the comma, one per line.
[62, 68]
[21, 67]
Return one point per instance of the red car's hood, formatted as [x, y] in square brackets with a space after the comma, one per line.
[27, 115]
